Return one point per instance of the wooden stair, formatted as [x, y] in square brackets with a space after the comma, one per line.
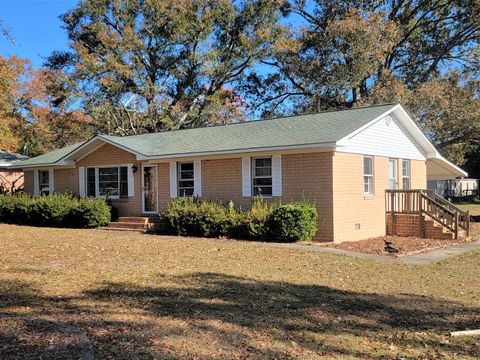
[131, 223]
[434, 230]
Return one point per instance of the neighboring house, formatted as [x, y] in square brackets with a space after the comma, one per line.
[11, 180]
[342, 160]
[455, 188]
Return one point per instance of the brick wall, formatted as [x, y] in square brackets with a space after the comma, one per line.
[357, 216]
[111, 155]
[306, 175]
[405, 225]
[11, 179]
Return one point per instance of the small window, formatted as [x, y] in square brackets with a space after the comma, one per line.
[91, 188]
[185, 179]
[44, 182]
[368, 175]
[406, 174]
[262, 176]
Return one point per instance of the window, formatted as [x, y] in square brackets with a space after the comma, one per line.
[185, 179]
[108, 184]
[262, 176]
[368, 175]
[406, 174]
[44, 182]
[107, 181]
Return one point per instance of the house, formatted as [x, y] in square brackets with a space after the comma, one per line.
[342, 160]
[455, 188]
[11, 179]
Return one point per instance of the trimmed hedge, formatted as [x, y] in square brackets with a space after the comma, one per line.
[263, 221]
[57, 210]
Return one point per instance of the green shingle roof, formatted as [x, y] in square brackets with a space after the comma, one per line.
[309, 129]
[50, 157]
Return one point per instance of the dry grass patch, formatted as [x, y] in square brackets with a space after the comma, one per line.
[137, 296]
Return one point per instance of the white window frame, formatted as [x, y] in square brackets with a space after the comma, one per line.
[97, 181]
[42, 185]
[254, 159]
[179, 178]
[407, 175]
[370, 176]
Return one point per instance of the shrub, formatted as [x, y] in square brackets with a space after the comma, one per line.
[253, 223]
[57, 210]
[286, 223]
[193, 217]
[294, 222]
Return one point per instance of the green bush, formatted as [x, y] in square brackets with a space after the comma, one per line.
[193, 217]
[294, 222]
[57, 210]
[253, 223]
[262, 221]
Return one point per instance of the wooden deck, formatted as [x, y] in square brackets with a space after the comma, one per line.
[427, 206]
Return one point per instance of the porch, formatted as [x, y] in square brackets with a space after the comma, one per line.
[424, 213]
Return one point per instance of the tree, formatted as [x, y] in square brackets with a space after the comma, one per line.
[32, 118]
[360, 52]
[177, 58]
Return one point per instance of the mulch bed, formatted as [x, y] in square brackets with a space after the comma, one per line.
[404, 245]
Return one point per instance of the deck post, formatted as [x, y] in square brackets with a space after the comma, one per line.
[468, 223]
[392, 207]
[456, 225]
[420, 215]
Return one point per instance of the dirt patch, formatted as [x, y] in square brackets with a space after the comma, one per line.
[402, 245]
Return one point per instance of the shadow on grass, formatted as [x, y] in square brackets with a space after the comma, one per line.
[238, 311]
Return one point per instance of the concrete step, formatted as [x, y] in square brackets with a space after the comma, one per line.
[133, 219]
[123, 229]
[126, 225]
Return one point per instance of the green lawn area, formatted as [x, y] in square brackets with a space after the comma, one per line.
[474, 208]
[136, 296]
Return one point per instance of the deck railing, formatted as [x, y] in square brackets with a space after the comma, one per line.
[427, 202]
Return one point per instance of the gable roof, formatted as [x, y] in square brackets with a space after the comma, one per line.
[50, 157]
[329, 128]
[310, 129]
[9, 158]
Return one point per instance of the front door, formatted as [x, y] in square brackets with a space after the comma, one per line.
[392, 174]
[149, 189]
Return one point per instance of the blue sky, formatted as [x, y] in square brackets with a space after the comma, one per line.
[35, 26]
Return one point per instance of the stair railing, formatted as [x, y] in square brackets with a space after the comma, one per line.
[427, 202]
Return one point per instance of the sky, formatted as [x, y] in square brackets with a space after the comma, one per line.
[35, 27]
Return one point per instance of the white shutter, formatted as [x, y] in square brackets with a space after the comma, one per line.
[51, 182]
[81, 181]
[173, 179]
[197, 178]
[277, 175]
[246, 177]
[131, 181]
[36, 183]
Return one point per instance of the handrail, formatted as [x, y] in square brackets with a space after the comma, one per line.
[439, 215]
[428, 202]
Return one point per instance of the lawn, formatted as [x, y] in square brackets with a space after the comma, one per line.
[134, 296]
[474, 208]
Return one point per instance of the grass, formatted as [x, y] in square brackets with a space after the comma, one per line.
[474, 208]
[148, 297]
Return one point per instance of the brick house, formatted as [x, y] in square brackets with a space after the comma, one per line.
[344, 161]
[11, 179]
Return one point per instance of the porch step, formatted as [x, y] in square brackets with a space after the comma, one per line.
[130, 223]
[127, 225]
[133, 219]
[437, 231]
